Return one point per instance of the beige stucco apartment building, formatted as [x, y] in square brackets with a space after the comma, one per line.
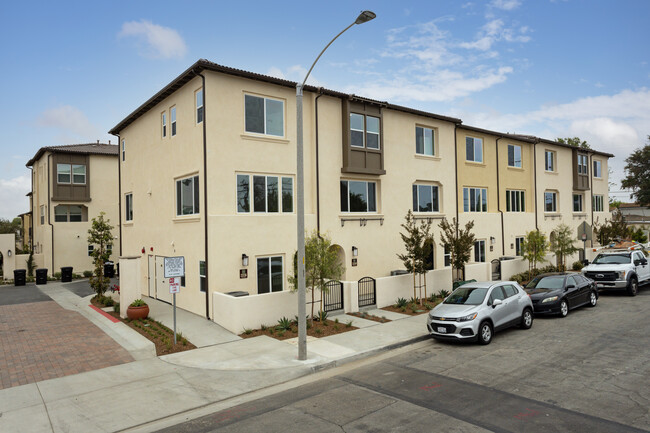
[208, 172]
[71, 185]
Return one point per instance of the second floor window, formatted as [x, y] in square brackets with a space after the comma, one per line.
[582, 164]
[164, 125]
[264, 115]
[425, 198]
[475, 199]
[172, 112]
[597, 169]
[42, 214]
[474, 149]
[550, 202]
[271, 194]
[199, 106]
[598, 203]
[577, 202]
[515, 201]
[187, 196]
[358, 196]
[514, 156]
[128, 207]
[123, 150]
[364, 131]
[424, 141]
[549, 157]
[71, 173]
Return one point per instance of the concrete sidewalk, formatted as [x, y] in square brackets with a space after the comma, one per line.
[150, 388]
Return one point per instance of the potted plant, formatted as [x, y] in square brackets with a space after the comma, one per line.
[137, 310]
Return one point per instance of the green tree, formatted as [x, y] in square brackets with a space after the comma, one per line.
[612, 229]
[459, 242]
[7, 226]
[535, 247]
[562, 245]
[637, 174]
[418, 242]
[30, 263]
[575, 142]
[100, 236]
[321, 266]
[639, 236]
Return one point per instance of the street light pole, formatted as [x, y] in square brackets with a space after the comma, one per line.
[364, 17]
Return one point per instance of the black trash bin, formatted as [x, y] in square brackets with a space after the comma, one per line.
[66, 274]
[20, 276]
[109, 270]
[41, 276]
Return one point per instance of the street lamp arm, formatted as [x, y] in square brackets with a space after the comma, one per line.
[321, 53]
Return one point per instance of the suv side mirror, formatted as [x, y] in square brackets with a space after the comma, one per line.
[585, 262]
[496, 303]
[637, 262]
[644, 261]
[570, 286]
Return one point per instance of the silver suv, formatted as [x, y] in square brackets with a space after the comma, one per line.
[475, 311]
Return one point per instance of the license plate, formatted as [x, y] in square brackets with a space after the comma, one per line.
[442, 330]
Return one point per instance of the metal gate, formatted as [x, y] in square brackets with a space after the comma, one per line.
[333, 297]
[367, 292]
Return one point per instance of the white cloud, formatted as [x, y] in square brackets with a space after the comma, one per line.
[293, 73]
[12, 196]
[506, 5]
[70, 121]
[155, 40]
[494, 31]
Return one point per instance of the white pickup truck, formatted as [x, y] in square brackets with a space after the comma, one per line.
[619, 269]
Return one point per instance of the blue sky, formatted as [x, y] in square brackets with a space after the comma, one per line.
[71, 70]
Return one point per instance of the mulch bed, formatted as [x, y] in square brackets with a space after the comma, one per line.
[314, 329]
[414, 309]
[367, 316]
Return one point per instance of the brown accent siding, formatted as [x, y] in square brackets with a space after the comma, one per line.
[580, 181]
[357, 159]
[70, 191]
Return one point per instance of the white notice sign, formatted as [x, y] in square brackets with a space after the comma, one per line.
[174, 266]
[174, 285]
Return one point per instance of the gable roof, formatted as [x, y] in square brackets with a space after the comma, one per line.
[81, 149]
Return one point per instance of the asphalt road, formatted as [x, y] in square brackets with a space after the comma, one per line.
[588, 372]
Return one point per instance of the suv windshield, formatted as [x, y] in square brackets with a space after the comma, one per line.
[612, 259]
[467, 296]
[554, 282]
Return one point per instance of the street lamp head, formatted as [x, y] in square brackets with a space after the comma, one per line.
[365, 16]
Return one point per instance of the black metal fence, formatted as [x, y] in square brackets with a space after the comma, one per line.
[333, 297]
[367, 292]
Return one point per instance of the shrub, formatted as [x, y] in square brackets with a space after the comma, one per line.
[138, 303]
[57, 275]
[284, 324]
[322, 316]
[263, 327]
[348, 324]
[444, 293]
[248, 331]
[116, 307]
[88, 274]
[318, 331]
[577, 266]
[401, 302]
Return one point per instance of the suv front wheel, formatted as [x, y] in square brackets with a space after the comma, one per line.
[485, 333]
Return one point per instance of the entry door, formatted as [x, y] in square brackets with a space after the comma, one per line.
[162, 283]
[151, 279]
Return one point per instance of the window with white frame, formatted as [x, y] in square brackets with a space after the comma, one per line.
[447, 256]
[164, 124]
[577, 202]
[78, 174]
[172, 114]
[425, 141]
[109, 249]
[514, 155]
[270, 194]
[199, 106]
[550, 201]
[515, 201]
[68, 213]
[479, 251]
[364, 131]
[519, 246]
[598, 169]
[123, 150]
[264, 115]
[582, 164]
[202, 276]
[187, 196]
[42, 214]
[474, 149]
[358, 196]
[71, 173]
[128, 207]
[63, 173]
[269, 274]
[598, 203]
[91, 248]
[475, 199]
[425, 198]
[549, 157]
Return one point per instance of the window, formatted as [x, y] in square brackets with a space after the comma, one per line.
[63, 173]
[497, 293]
[71, 173]
[364, 131]
[187, 196]
[78, 174]
[447, 256]
[91, 248]
[199, 106]
[577, 202]
[425, 198]
[550, 202]
[509, 290]
[519, 246]
[128, 200]
[267, 197]
[164, 125]
[550, 160]
[582, 164]
[173, 119]
[479, 251]
[475, 199]
[597, 169]
[269, 274]
[515, 201]
[424, 141]
[42, 214]
[514, 155]
[264, 115]
[358, 196]
[123, 150]
[474, 149]
[109, 249]
[598, 203]
[202, 275]
[65, 213]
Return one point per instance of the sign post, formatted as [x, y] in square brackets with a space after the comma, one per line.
[174, 269]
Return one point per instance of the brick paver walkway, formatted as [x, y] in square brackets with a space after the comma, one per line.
[41, 340]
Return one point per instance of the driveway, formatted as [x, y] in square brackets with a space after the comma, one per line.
[41, 340]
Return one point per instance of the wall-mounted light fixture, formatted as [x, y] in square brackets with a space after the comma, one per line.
[9, 253]
[355, 251]
[244, 260]
[492, 239]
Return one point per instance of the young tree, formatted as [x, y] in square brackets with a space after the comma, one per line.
[459, 242]
[534, 247]
[639, 235]
[575, 142]
[321, 265]
[611, 229]
[100, 235]
[637, 174]
[418, 242]
[562, 245]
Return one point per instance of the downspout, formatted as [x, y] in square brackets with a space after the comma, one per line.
[456, 170]
[320, 90]
[119, 189]
[503, 237]
[535, 179]
[31, 220]
[591, 188]
[205, 199]
[49, 171]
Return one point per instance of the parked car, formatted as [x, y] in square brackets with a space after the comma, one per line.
[619, 269]
[557, 293]
[476, 310]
